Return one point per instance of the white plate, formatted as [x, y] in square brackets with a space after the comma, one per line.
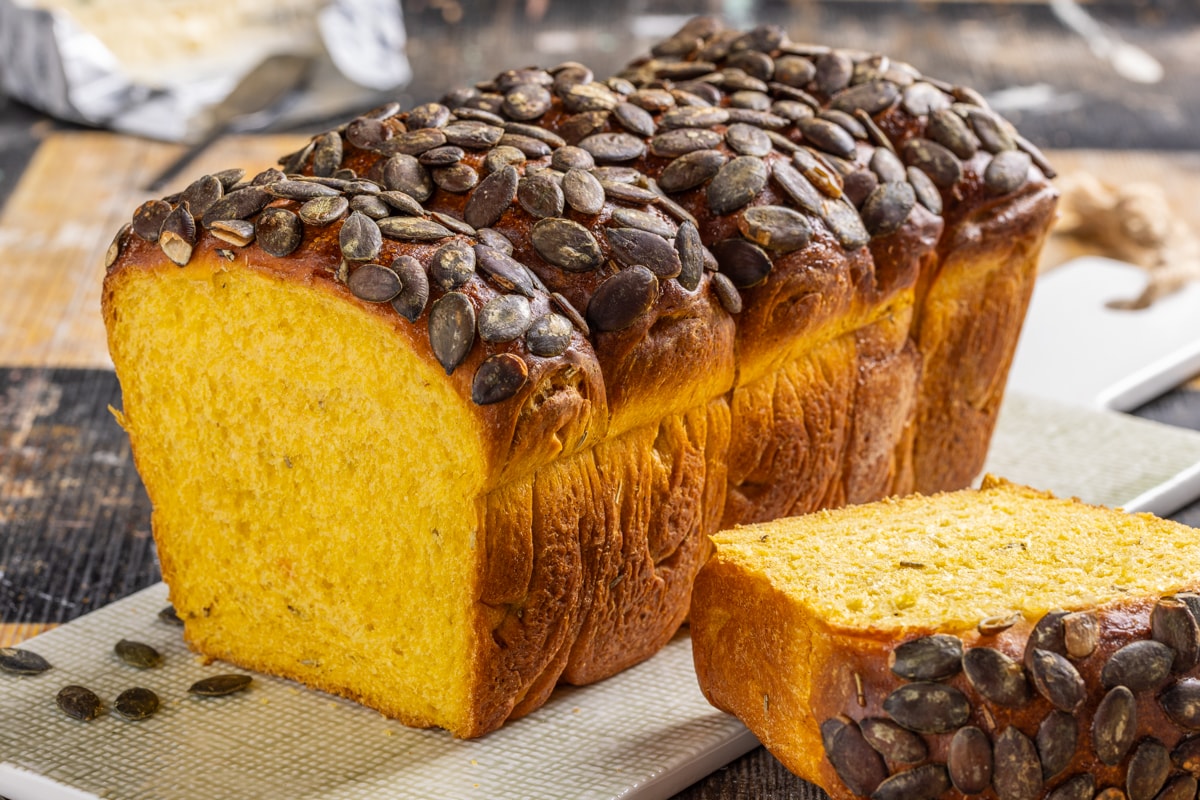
[646, 733]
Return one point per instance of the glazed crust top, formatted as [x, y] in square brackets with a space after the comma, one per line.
[582, 256]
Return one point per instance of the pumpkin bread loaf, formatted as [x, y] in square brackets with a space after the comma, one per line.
[996, 642]
[441, 412]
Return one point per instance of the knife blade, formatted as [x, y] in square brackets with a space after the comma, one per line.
[262, 88]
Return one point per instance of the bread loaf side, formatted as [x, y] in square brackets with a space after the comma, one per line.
[441, 412]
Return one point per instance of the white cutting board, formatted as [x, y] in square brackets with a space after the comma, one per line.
[1076, 349]
[1080, 354]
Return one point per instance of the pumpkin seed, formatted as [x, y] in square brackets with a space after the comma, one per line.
[148, 218]
[414, 292]
[927, 193]
[1139, 665]
[631, 247]
[794, 71]
[579, 126]
[374, 283]
[582, 191]
[845, 223]
[495, 240]
[1057, 738]
[1114, 725]
[504, 318]
[451, 329]
[828, 136]
[527, 145]
[327, 154]
[921, 99]
[136, 703]
[1172, 623]
[322, 210]
[833, 72]
[1181, 702]
[177, 237]
[360, 237]
[456, 178]
[300, 190]
[950, 130]
[1057, 680]
[690, 170]
[452, 265]
[20, 661]
[220, 685]
[442, 156]
[1018, 772]
[747, 140]
[566, 244]
[168, 615]
[1007, 171]
[201, 194]
[367, 134]
[1079, 787]
[571, 157]
[609, 148]
[279, 232]
[929, 658]
[501, 156]
[229, 178]
[693, 117]
[797, 187]
[1148, 770]
[622, 298]
[998, 678]
[727, 293]
[117, 245]
[691, 256]
[549, 335]
[505, 272]
[492, 198]
[871, 97]
[888, 207]
[634, 119]
[993, 133]
[644, 220]
[970, 763]
[1181, 787]
[540, 195]
[405, 203]
[859, 185]
[404, 173]
[744, 263]
[893, 742]
[942, 167]
[990, 626]
[1186, 755]
[920, 783]
[371, 205]
[775, 227]
[1047, 634]
[927, 707]
[736, 183]
[138, 654]
[79, 702]
[681, 141]
[498, 378]
[858, 765]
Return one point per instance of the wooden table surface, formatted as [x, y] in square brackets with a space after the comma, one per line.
[74, 518]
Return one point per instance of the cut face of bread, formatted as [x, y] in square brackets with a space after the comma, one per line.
[916, 641]
[290, 486]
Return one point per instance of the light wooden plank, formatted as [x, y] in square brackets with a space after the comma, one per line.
[14, 633]
[76, 193]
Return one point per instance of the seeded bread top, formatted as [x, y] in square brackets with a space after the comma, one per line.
[544, 211]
